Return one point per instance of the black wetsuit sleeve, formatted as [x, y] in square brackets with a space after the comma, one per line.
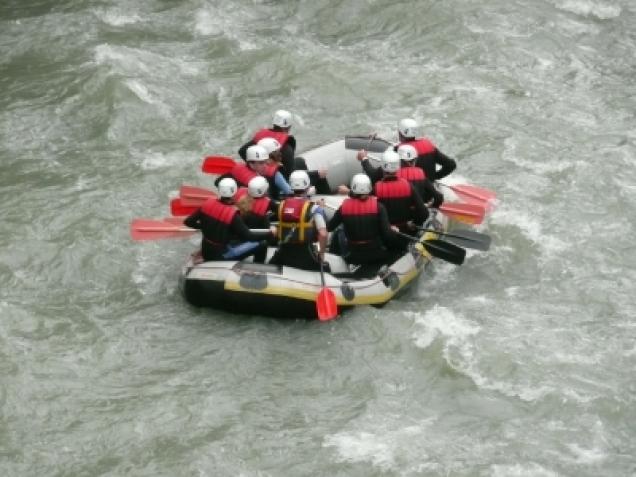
[273, 208]
[374, 173]
[420, 212]
[194, 219]
[335, 221]
[431, 193]
[447, 164]
[243, 149]
[240, 230]
[389, 237]
[287, 153]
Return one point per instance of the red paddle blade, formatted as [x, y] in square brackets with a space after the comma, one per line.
[178, 208]
[195, 192]
[192, 202]
[148, 229]
[468, 192]
[471, 200]
[467, 213]
[217, 164]
[326, 305]
[174, 220]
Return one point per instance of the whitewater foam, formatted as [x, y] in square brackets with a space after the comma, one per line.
[588, 8]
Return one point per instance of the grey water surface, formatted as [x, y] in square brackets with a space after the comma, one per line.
[518, 363]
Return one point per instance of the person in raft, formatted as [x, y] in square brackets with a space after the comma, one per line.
[300, 223]
[225, 235]
[366, 236]
[280, 131]
[258, 164]
[429, 157]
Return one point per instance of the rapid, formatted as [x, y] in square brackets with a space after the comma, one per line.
[520, 362]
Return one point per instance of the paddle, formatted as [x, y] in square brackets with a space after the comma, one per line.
[149, 229]
[471, 193]
[218, 164]
[152, 229]
[465, 238]
[174, 220]
[326, 305]
[467, 213]
[177, 207]
[440, 249]
[194, 192]
[193, 202]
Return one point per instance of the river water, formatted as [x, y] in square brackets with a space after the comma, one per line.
[518, 363]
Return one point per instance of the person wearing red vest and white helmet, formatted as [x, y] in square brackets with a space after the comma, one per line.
[258, 164]
[300, 224]
[417, 177]
[273, 147]
[403, 204]
[254, 204]
[428, 156]
[281, 125]
[366, 236]
[225, 235]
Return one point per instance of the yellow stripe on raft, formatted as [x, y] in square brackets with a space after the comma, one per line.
[311, 296]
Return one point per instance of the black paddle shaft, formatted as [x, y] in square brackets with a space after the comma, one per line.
[465, 238]
[440, 249]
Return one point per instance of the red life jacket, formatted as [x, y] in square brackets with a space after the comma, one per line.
[412, 173]
[216, 221]
[242, 174]
[354, 206]
[216, 209]
[395, 194]
[422, 146]
[242, 192]
[270, 171]
[295, 212]
[260, 205]
[360, 219]
[280, 136]
[392, 189]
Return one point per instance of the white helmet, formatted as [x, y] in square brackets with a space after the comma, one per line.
[256, 153]
[407, 153]
[361, 184]
[299, 180]
[227, 188]
[282, 119]
[407, 127]
[390, 161]
[257, 187]
[270, 144]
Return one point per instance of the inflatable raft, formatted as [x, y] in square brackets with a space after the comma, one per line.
[281, 291]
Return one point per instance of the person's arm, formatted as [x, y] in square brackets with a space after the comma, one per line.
[389, 237]
[431, 194]
[287, 159]
[321, 228]
[374, 173]
[447, 164]
[282, 184]
[193, 220]
[336, 220]
[243, 149]
[272, 209]
[240, 230]
[420, 212]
